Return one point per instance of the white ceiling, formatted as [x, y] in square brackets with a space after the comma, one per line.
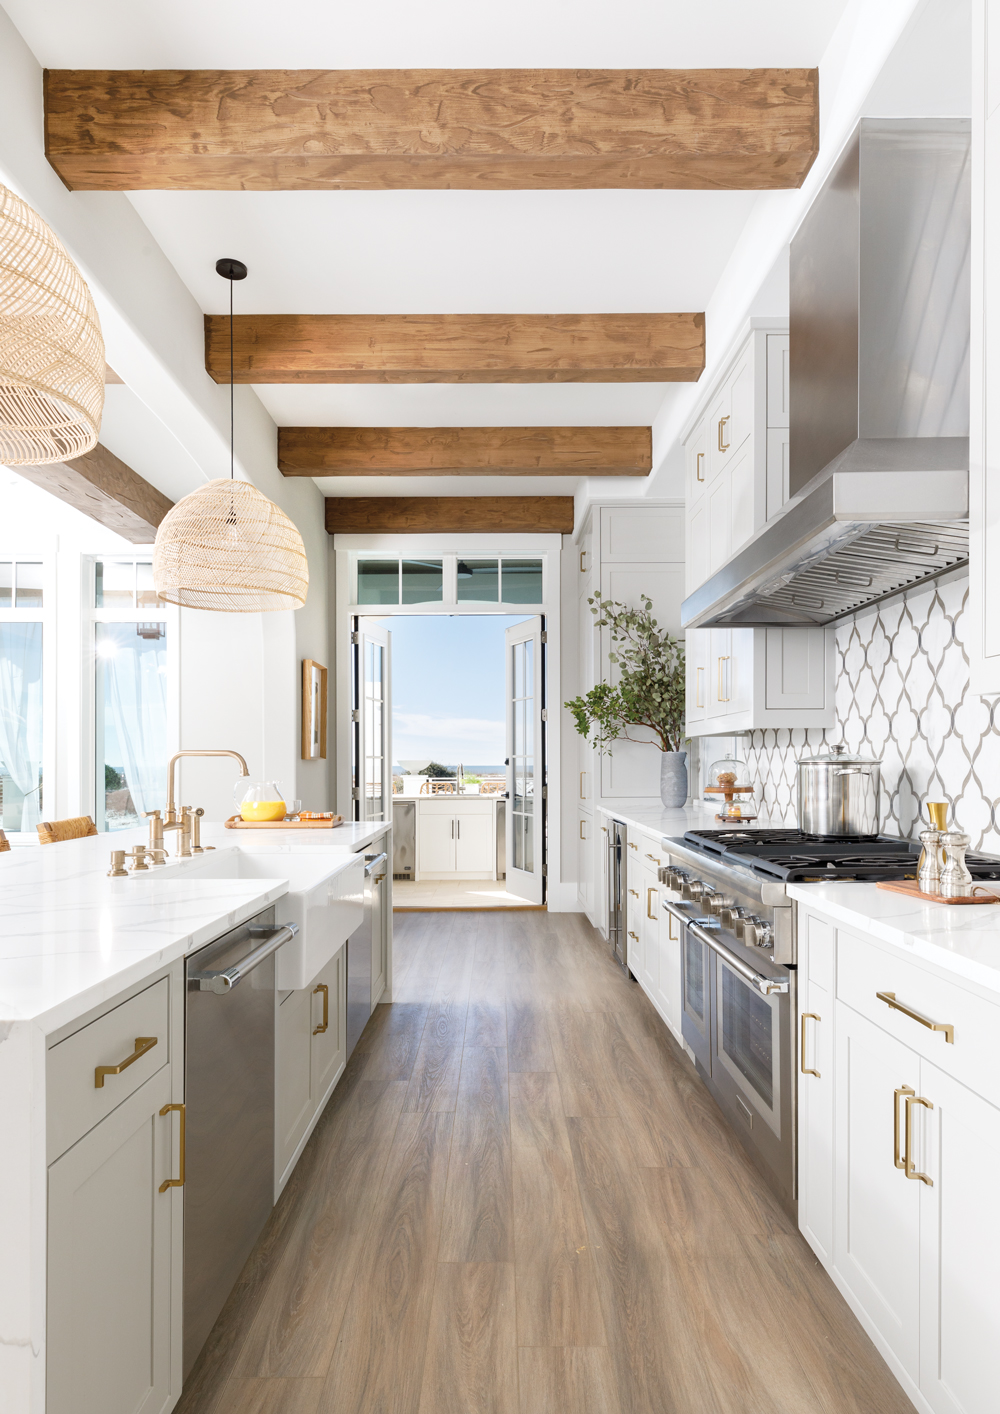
[451, 251]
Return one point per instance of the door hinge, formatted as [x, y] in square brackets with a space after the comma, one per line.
[355, 638]
[356, 714]
[545, 871]
[545, 792]
[545, 635]
[356, 793]
[545, 714]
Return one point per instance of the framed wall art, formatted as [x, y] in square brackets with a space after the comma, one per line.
[313, 711]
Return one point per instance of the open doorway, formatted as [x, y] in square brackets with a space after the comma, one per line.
[464, 757]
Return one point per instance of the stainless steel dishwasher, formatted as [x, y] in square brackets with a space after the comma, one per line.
[361, 947]
[229, 1093]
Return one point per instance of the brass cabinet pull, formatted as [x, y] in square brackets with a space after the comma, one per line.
[177, 1182]
[633, 935]
[897, 1095]
[583, 793]
[890, 1000]
[699, 701]
[322, 987]
[582, 823]
[911, 1171]
[633, 846]
[723, 446]
[649, 894]
[142, 1045]
[634, 893]
[802, 1044]
[582, 567]
[652, 857]
[604, 829]
[697, 466]
[721, 661]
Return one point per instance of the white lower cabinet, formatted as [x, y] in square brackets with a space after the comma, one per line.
[311, 1044]
[456, 837]
[898, 1162]
[668, 983]
[110, 1243]
[657, 955]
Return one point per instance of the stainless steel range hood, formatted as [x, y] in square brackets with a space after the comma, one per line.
[879, 396]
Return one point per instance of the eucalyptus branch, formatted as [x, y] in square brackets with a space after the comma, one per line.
[650, 687]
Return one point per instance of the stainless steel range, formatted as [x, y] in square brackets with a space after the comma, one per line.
[726, 889]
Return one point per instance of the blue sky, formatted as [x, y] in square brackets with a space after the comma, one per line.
[448, 687]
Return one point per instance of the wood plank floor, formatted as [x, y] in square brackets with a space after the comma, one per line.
[522, 1200]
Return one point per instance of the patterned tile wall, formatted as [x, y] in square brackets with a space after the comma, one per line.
[902, 694]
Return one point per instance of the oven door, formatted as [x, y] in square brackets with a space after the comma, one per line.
[748, 1045]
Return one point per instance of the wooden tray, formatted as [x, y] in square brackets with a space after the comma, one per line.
[236, 823]
[912, 889]
[739, 820]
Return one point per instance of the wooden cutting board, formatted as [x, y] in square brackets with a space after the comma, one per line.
[913, 890]
[236, 823]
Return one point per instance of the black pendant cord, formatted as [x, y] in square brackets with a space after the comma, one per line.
[231, 270]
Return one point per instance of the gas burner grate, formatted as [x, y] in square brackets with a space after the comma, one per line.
[792, 857]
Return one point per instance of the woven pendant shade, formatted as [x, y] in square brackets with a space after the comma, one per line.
[51, 348]
[227, 547]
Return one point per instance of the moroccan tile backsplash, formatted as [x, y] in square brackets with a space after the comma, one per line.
[902, 694]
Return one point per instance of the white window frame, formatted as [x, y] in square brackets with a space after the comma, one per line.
[92, 616]
[449, 587]
[46, 616]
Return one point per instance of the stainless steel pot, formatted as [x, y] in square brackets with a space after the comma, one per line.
[839, 794]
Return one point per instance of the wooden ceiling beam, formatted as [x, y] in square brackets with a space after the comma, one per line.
[470, 515]
[103, 487]
[478, 129]
[457, 348]
[465, 451]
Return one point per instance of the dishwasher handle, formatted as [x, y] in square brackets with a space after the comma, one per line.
[372, 862]
[225, 981]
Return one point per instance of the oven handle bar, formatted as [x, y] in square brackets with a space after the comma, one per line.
[764, 985]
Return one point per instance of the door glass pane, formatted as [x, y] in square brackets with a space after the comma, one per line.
[373, 766]
[478, 581]
[422, 582]
[146, 595]
[518, 670]
[29, 585]
[522, 582]
[747, 1021]
[20, 725]
[114, 582]
[529, 853]
[378, 581]
[6, 584]
[131, 717]
[529, 668]
[694, 976]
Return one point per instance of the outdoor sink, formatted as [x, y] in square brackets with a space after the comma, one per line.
[325, 898]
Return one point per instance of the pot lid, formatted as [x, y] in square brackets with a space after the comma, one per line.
[838, 754]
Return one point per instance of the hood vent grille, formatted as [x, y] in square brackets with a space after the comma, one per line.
[879, 560]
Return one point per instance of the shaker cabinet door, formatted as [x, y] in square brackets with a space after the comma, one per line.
[109, 1260]
[435, 842]
[877, 1217]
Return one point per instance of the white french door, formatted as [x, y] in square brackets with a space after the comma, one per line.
[372, 683]
[525, 760]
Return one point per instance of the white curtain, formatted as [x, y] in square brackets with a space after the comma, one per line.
[21, 714]
[136, 697]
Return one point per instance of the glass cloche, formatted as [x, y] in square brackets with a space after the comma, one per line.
[725, 781]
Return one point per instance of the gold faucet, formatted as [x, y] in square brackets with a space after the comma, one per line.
[187, 821]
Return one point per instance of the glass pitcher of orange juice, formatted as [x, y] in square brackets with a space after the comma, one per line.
[260, 800]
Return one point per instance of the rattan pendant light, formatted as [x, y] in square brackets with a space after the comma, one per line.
[51, 348]
[226, 546]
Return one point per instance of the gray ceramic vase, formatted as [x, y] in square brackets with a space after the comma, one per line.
[673, 779]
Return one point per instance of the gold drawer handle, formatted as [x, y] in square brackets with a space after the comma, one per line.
[583, 823]
[142, 1045]
[911, 1171]
[721, 661]
[653, 858]
[583, 793]
[900, 1091]
[634, 893]
[633, 935]
[674, 937]
[802, 1045]
[699, 700]
[177, 1182]
[582, 567]
[633, 846]
[697, 466]
[890, 1000]
[723, 446]
[322, 987]
[649, 894]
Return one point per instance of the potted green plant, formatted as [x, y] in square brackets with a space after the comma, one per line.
[649, 691]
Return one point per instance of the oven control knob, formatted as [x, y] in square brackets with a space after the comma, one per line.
[757, 933]
[718, 904]
[692, 889]
[731, 917]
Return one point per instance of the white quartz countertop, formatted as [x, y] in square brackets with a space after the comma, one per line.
[71, 938]
[959, 939]
[649, 815]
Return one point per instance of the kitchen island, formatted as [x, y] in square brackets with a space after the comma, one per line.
[82, 957]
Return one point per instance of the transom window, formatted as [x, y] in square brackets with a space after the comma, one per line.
[452, 579]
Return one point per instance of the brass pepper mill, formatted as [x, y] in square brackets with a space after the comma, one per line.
[929, 869]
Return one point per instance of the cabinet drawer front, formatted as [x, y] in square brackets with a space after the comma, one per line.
[864, 969]
[473, 805]
[651, 856]
[74, 1102]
